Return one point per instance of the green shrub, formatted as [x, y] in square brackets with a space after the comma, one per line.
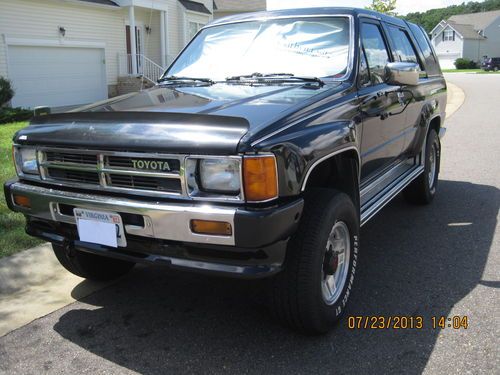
[463, 63]
[6, 91]
[14, 115]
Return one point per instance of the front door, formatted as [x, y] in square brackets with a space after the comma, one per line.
[383, 129]
[138, 47]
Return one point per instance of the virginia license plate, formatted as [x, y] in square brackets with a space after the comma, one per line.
[99, 227]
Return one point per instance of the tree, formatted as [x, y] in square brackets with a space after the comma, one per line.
[383, 6]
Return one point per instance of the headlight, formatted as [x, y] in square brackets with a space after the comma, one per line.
[25, 160]
[214, 177]
[220, 175]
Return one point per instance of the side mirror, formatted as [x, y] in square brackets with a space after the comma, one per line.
[402, 73]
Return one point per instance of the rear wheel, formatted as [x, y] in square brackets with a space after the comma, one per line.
[423, 189]
[311, 293]
[90, 266]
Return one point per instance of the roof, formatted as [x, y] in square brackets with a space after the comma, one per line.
[102, 2]
[313, 12]
[240, 5]
[194, 6]
[479, 21]
[467, 31]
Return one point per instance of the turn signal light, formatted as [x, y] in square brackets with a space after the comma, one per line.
[22, 200]
[219, 228]
[260, 178]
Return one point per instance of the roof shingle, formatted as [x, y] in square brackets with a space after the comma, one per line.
[102, 2]
[467, 31]
[240, 5]
[479, 21]
[194, 6]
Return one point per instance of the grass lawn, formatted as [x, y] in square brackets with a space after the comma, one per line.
[477, 71]
[12, 236]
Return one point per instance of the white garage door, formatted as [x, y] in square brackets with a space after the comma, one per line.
[447, 61]
[56, 76]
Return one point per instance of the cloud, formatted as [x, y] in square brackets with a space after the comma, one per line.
[403, 6]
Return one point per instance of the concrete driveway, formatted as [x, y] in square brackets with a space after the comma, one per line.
[440, 260]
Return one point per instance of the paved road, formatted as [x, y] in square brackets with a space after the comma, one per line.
[441, 260]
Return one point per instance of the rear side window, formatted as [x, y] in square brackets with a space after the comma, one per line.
[403, 49]
[375, 49]
[431, 65]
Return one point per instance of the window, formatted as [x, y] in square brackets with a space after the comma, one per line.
[431, 65]
[448, 35]
[312, 46]
[403, 49]
[374, 47]
[193, 28]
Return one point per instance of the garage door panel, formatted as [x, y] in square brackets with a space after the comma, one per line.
[56, 76]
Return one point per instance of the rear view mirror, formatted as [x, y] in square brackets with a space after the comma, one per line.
[402, 73]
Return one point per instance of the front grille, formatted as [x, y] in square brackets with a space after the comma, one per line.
[153, 174]
[66, 157]
[172, 165]
[73, 176]
[145, 183]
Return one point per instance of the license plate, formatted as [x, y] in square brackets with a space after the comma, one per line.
[99, 227]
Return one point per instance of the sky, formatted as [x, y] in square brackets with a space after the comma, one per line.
[403, 6]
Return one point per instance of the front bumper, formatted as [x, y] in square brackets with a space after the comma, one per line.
[160, 232]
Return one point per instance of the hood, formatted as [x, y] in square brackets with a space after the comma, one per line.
[186, 119]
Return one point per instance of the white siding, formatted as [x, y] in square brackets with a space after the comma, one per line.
[472, 49]
[491, 47]
[40, 19]
[448, 47]
[151, 41]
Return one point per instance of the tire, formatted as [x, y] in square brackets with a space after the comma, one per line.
[90, 266]
[423, 189]
[298, 294]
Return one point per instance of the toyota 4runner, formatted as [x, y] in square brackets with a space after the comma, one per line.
[261, 151]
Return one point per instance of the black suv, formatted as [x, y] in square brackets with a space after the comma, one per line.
[266, 145]
[491, 63]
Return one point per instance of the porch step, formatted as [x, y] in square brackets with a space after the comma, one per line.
[128, 84]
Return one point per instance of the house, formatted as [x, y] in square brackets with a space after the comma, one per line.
[68, 52]
[223, 8]
[470, 36]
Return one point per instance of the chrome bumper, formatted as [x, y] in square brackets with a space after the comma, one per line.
[161, 220]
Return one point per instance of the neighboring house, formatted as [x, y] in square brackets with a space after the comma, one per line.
[67, 52]
[470, 36]
[223, 8]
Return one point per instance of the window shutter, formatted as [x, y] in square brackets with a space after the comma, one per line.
[442, 36]
[453, 35]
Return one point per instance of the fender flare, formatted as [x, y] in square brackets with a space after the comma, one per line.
[329, 156]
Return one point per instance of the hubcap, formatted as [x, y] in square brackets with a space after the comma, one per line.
[336, 262]
[433, 165]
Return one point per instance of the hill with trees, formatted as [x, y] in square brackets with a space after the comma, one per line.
[432, 17]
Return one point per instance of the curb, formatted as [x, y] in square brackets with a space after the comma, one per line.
[456, 98]
[34, 284]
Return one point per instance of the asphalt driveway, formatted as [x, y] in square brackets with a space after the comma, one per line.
[440, 260]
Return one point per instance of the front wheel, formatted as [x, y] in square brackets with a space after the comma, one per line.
[90, 266]
[311, 293]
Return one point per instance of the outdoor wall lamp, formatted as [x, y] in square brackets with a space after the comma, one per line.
[62, 31]
[148, 29]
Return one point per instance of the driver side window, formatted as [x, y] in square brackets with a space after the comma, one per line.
[375, 51]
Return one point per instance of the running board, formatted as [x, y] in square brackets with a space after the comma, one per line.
[375, 204]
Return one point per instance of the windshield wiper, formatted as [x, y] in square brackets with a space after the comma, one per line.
[283, 77]
[185, 79]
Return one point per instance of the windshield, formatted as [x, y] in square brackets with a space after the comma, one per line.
[313, 47]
